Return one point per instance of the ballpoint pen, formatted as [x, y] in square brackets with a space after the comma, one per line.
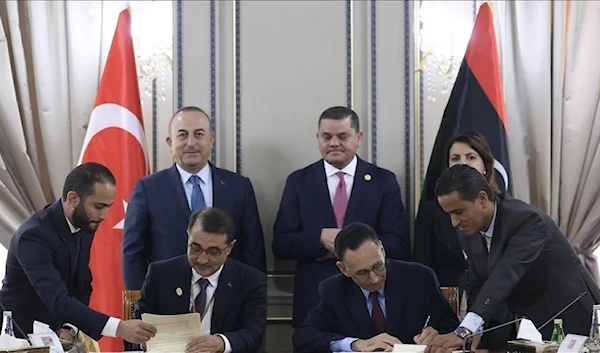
[426, 322]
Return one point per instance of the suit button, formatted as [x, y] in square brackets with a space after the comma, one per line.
[487, 302]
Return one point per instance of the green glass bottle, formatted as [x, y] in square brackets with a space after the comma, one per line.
[558, 334]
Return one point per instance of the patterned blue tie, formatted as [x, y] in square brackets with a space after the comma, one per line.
[198, 202]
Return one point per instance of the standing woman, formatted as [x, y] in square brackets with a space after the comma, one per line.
[436, 241]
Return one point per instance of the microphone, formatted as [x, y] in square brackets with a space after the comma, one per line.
[464, 344]
[563, 310]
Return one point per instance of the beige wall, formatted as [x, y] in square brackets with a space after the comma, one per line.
[292, 63]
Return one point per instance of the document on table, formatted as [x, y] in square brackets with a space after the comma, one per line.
[173, 332]
[409, 348]
[412, 348]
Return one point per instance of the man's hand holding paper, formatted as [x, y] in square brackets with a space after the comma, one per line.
[173, 332]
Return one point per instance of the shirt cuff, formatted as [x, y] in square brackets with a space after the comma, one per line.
[71, 326]
[227, 344]
[472, 322]
[110, 329]
[343, 345]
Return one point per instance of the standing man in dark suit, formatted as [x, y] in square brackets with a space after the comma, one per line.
[517, 256]
[230, 296]
[161, 203]
[376, 303]
[48, 278]
[320, 199]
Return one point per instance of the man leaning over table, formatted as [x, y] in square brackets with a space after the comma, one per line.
[48, 278]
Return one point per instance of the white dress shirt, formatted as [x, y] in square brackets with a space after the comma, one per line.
[110, 328]
[472, 321]
[213, 282]
[333, 180]
[205, 175]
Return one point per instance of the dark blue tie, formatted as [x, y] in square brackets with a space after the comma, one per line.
[200, 301]
[198, 202]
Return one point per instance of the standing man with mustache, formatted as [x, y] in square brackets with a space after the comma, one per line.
[161, 204]
[320, 199]
[48, 278]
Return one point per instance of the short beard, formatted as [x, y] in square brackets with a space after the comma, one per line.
[80, 219]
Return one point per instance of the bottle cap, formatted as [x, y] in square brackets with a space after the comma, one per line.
[558, 321]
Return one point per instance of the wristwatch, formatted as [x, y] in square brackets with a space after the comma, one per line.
[462, 332]
[72, 329]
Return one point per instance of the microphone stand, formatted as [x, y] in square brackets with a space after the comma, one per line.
[519, 319]
[563, 310]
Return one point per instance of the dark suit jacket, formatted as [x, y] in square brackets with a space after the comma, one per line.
[240, 306]
[157, 217]
[47, 279]
[436, 245]
[531, 267]
[411, 291]
[306, 208]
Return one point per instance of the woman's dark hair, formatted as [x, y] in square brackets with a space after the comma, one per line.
[477, 142]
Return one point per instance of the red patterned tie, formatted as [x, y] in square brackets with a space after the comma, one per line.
[340, 201]
[377, 315]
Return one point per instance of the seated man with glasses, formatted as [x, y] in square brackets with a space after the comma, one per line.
[375, 302]
[230, 296]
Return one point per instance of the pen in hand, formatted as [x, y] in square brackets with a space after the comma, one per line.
[426, 323]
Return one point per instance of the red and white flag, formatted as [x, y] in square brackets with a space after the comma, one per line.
[115, 138]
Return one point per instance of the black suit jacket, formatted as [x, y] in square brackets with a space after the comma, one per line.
[306, 209]
[437, 246]
[157, 217]
[411, 291]
[240, 306]
[531, 267]
[47, 278]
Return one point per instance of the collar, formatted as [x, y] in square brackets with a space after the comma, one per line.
[350, 169]
[488, 233]
[367, 294]
[204, 174]
[212, 279]
[72, 227]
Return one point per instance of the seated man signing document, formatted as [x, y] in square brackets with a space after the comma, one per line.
[375, 302]
[230, 296]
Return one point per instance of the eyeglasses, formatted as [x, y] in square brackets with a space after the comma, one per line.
[378, 269]
[213, 251]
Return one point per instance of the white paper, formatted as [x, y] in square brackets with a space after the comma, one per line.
[40, 327]
[527, 331]
[572, 344]
[409, 348]
[10, 343]
[46, 339]
[173, 332]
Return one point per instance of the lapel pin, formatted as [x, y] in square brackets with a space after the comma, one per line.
[368, 177]
[229, 284]
[179, 291]
[223, 183]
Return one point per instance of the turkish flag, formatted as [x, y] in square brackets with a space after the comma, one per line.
[115, 138]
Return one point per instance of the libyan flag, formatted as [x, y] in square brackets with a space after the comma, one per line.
[475, 104]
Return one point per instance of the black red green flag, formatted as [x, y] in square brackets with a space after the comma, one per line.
[476, 103]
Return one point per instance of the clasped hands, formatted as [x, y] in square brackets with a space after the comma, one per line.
[445, 343]
[327, 239]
